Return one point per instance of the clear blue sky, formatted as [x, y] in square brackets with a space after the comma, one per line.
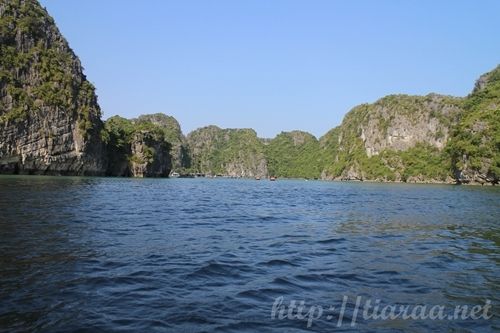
[275, 65]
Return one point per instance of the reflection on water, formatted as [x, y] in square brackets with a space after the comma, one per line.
[103, 254]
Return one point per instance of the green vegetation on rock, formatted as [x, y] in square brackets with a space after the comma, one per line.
[181, 160]
[31, 43]
[233, 152]
[131, 143]
[45, 97]
[475, 143]
[294, 154]
[397, 138]
[51, 123]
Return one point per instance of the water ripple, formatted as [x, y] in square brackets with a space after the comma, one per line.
[192, 255]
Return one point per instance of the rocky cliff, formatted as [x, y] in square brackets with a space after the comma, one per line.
[181, 160]
[398, 138]
[149, 156]
[49, 116]
[232, 152]
[475, 142]
[136, 148]
[417, 139]
[429, 138]
[50, 120]
[50, 124]
[240, 153]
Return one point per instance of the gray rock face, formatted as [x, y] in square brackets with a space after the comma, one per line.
[50, 144]
[136, 149]
[483, 81]
[49, 116]
[172, 129]
[371, 141]
[400, 122]
[150, 157]
[50, 124]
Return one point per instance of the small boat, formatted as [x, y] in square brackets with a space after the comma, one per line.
[272, 178]
[257, 178]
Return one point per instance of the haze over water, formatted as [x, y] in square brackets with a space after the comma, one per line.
[212, 255]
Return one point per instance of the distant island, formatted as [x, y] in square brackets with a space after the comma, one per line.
[51, 124]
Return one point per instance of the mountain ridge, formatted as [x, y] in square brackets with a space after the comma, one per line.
[399, 137]
[50, 123]
[50, 120]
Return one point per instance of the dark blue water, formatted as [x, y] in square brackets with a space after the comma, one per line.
[210, 255]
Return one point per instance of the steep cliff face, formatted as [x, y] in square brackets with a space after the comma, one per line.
[49, 116]
[173, 134]
[381, 141]
[399, 122]
[475, 142]
[294, 154]
[232, 152]
[137, 149]
[429, 138]
[150, 156]
[50, 124]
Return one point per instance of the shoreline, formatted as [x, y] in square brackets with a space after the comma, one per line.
[263, 179]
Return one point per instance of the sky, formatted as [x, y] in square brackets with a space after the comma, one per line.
[275, 65]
